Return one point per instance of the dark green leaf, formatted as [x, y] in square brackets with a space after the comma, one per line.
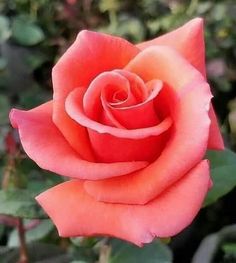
[26, 33]
[38, 253]
[223, 174]
[19, 203]
[1, 230]
[4, 109]
[221, 158]
[156, 252]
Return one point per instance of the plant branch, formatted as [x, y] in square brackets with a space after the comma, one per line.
[23, 249]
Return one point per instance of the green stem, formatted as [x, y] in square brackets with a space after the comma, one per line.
[113, 19]
[192, 7]
[105, 253]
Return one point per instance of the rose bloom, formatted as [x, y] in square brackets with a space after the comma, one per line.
[129, 125]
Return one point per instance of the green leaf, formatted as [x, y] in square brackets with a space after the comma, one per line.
[19, 203]
[4, 109]
[229, 248]
[38, 253]
[5, 31]
[3, 63]
[1, 230]
[221, 158]
[106, 5]
[37, 233]
[34, 61]
[156, 252]
[26, 33]
[223, 174]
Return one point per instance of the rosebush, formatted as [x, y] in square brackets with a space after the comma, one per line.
[130, 126]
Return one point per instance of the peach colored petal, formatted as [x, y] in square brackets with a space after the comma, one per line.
[108, 148]
[215, 138]
[165, 64]
[91, 54]
[92, 103]
[75, 213]
[112, 144]
[185, 148]
[75, 111]
[188, 40]
[44, 143]
[136, 116]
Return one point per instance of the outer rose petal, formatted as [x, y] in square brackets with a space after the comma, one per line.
[184, 149]
[75, 213]
[44, 143]
[215, 141]
[188, 40]
[91, 54]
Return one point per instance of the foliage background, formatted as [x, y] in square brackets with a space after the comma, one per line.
[33, 34]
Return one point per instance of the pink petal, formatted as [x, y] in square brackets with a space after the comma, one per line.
[75, 213]
[44, 143]
[92, 103]
[91, 54]
[74, 109]
[140, 115]
[188, 143]
[188, 40]
[215, 141]
[110, 149]
[160, 60]
[112, 144]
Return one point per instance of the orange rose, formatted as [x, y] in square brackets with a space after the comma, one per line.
[131, 125]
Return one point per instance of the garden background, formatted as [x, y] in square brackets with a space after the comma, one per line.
[33, 35]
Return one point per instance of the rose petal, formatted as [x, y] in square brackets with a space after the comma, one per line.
[110, 149]
[215, 141]
[91, 54]
[140, 115]
[75, 213]
[184, 149]
[188, 40]
[44, 143]
[137, 87]
[187, 145]
[92, 103]
[74, 109]
[112, 144]
[160, 60]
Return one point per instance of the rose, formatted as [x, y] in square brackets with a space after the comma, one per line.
[131, 125]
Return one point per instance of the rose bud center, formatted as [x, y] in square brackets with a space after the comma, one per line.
[121, 114]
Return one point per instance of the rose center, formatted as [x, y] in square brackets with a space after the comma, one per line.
[122, 117]
[119, 96]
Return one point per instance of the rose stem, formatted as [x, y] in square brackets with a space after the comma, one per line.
[104, 254]
[23, 249]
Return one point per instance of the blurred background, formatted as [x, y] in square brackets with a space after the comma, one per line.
[33, 35]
